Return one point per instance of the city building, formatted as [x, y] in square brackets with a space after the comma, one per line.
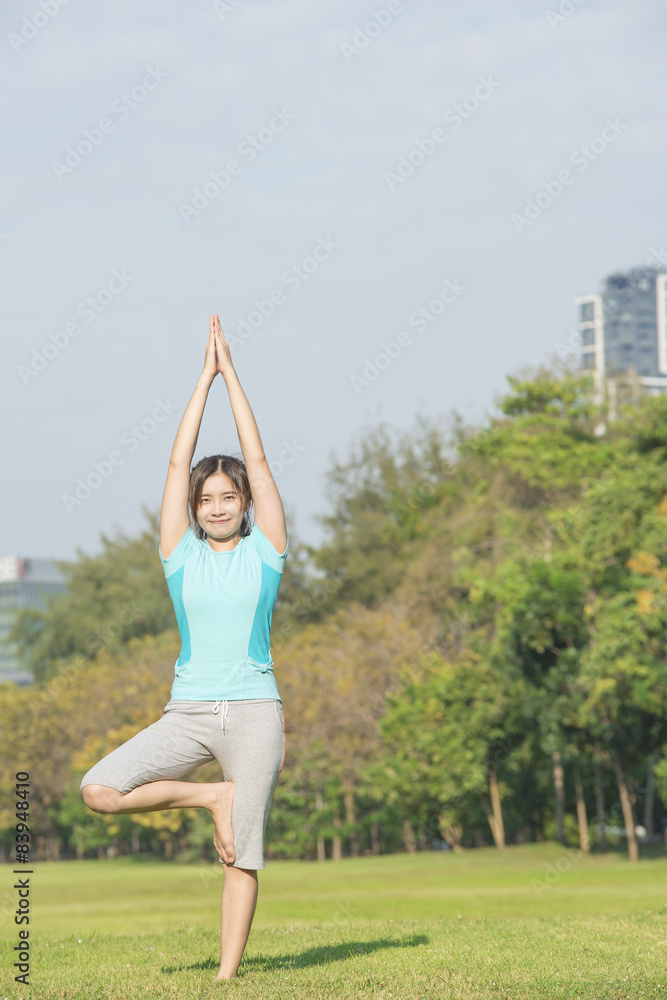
[624, 328]
[24, 583]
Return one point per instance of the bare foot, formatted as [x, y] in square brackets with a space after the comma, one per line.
[221, 810]
[218, 978]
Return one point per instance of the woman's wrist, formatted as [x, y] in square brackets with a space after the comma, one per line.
[206, 378]
[230, 373]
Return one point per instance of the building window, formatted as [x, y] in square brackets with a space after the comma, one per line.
[587, 312]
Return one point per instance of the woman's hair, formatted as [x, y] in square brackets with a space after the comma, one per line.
[232, 467]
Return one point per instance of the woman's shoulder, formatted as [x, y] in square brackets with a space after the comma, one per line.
[267, 551]
[186, 544]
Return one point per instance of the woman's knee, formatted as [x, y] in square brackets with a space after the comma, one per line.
[240, 874]
[101, 798]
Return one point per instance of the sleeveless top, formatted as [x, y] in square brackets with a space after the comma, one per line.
[224, 603]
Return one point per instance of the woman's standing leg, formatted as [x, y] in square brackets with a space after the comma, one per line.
[251, 752]
[239, 899]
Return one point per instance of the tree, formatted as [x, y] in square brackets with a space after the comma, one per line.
[378, 497]
[449, 730]
[618, 535]
[112, 597]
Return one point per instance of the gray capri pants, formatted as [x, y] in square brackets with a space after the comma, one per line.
[247, 738]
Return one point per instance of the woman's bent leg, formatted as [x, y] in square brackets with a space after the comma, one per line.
[239, 899]
[139, 775]
[215, 796]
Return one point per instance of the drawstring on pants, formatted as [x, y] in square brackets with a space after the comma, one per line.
[224, 714]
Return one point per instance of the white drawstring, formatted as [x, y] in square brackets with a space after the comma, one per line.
[224, 714]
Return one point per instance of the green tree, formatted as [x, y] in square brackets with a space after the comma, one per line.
[112, 597]
[450, 729]
[378, 497]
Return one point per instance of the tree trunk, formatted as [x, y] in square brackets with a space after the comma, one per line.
[599, 804]
[559, 793]
[452, 833]
[336, 844]
[182, 840]
[350, 818]
[626, 805]
[424, 838]
[409, 837]
[582, 818]
[375, 838]
[650, 796]
[319, 805]
[495, 815]
[53, 847]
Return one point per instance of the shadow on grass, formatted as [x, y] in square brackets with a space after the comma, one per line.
[321, 955]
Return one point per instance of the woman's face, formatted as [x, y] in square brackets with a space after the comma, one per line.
[220, 511]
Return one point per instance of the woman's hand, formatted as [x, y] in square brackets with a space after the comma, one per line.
[224, 363]
[210, 360]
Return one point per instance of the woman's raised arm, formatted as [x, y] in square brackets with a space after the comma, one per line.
[174, 517]
[269, 513]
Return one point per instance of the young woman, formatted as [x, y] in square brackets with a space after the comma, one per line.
[223, 577]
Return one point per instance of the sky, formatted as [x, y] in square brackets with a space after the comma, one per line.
[390, 205]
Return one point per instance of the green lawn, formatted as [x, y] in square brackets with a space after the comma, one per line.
[535, 921]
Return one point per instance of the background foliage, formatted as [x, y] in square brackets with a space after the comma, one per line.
[475, 654]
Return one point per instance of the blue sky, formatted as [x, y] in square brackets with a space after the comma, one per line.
[369, 158]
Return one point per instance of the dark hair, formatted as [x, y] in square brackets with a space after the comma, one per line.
[232, 467]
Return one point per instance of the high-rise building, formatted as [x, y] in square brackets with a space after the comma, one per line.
[24, 583]
[624, 327]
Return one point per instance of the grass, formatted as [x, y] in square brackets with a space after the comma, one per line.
[534, 922]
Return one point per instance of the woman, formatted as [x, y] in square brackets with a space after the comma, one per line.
[223, 578]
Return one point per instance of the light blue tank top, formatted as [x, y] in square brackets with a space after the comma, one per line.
[223, 603]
